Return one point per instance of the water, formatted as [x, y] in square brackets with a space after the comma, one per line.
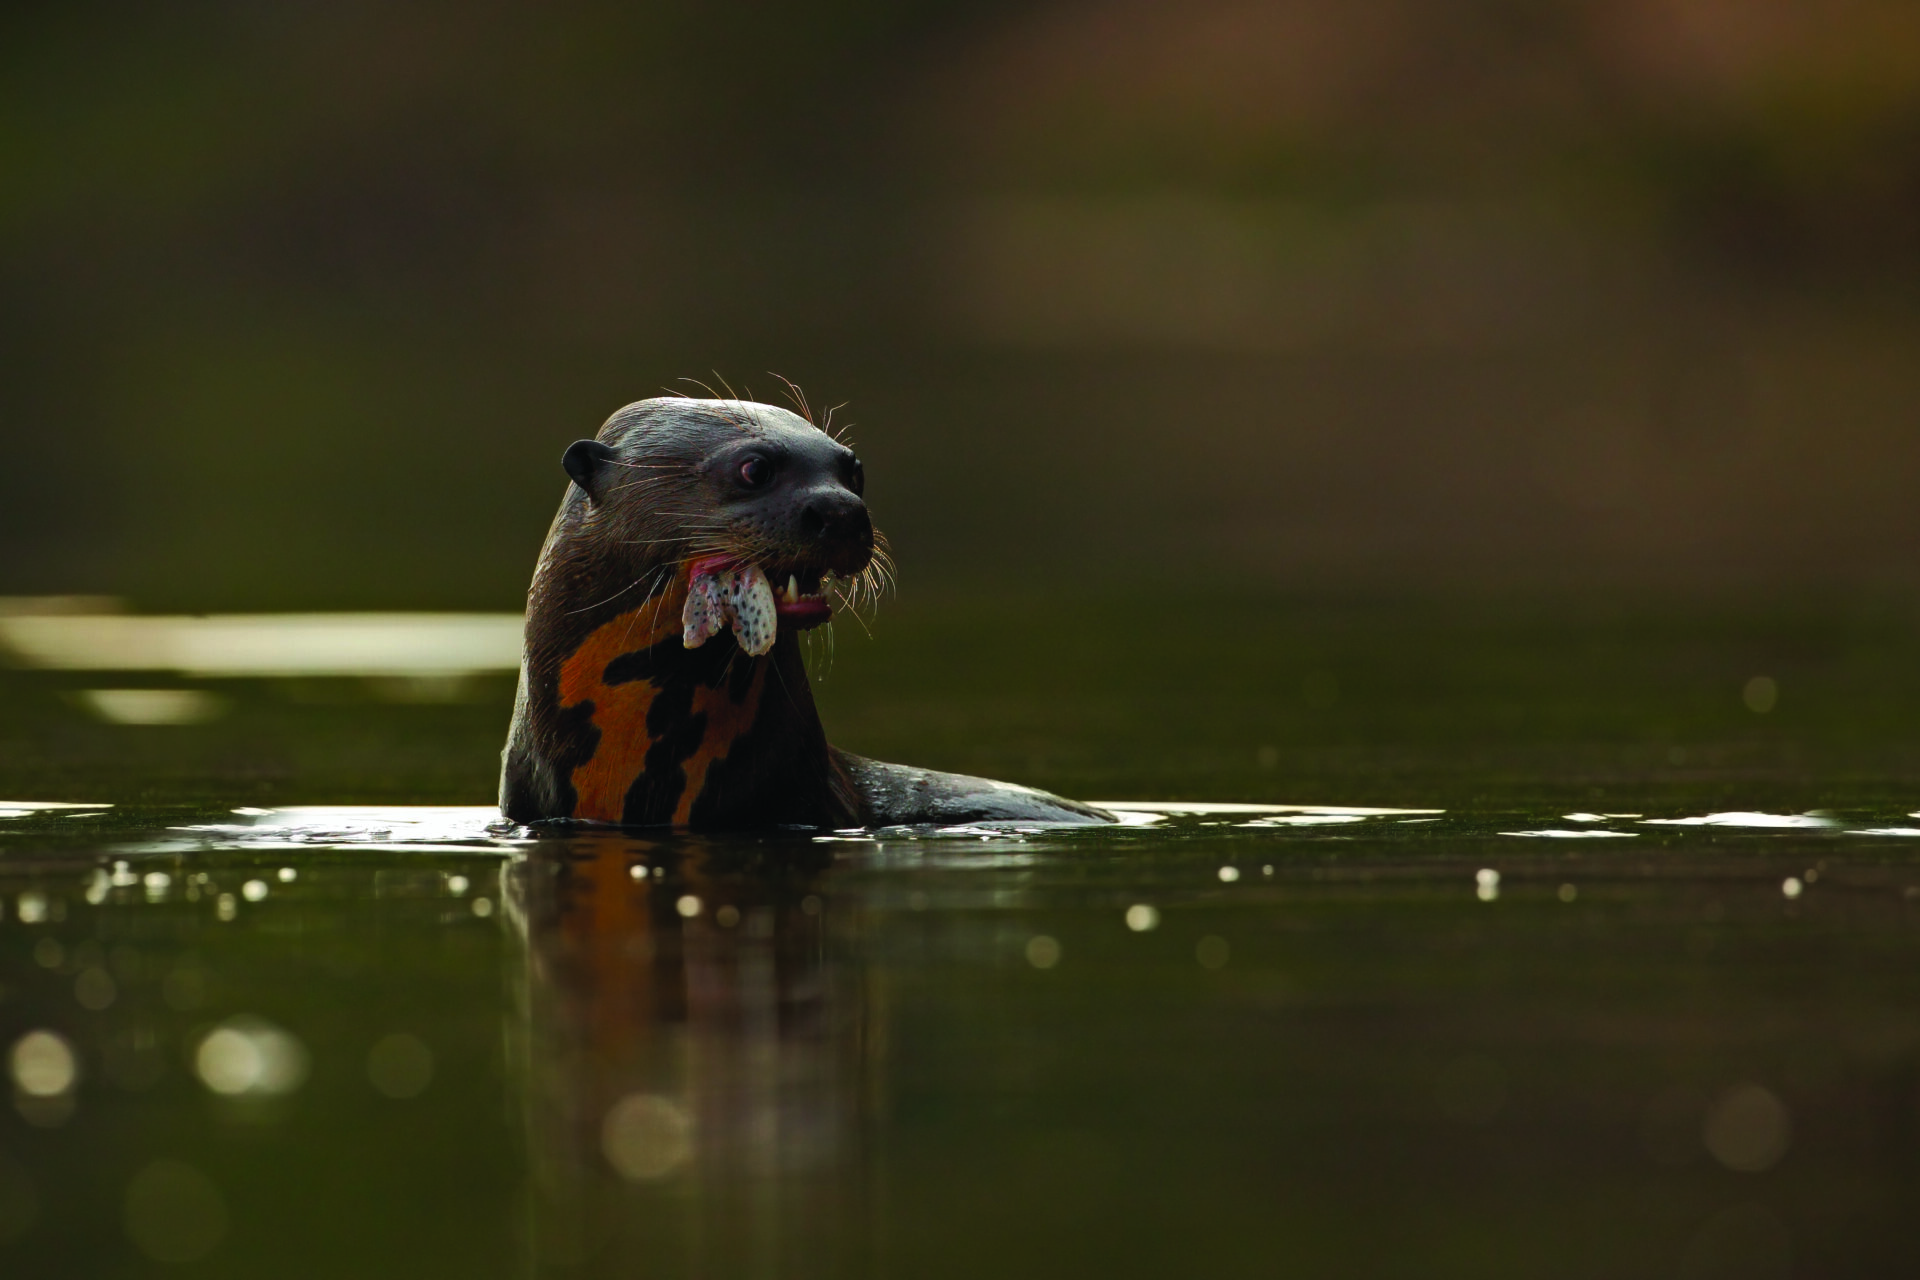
[1363, 1025]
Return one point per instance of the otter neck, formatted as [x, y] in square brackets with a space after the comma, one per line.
[643, 731]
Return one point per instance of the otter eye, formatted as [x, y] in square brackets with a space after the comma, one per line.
[755, 471]
[857, 477]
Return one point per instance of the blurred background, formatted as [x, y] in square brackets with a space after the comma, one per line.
[1507, 407]
[1425, 398]
[301, 301]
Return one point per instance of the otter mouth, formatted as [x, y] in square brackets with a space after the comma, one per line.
[801, 598]
[723, 593]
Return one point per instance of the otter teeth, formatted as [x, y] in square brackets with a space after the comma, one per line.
[739, 598]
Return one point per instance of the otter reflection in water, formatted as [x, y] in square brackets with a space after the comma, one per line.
[697, 1059]
[662, 681]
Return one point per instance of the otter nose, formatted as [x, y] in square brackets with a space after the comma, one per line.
[839, 520]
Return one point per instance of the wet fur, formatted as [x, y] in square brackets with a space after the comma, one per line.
[616, 721]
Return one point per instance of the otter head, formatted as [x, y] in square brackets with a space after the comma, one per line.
[757, 510]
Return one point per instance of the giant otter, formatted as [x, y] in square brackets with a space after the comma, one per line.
[662, 682]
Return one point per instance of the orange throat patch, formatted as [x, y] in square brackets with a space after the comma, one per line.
[620, 711]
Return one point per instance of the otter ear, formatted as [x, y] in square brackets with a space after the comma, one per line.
[583, 461]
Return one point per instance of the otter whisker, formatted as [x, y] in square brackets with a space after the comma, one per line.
[615, 596]
[661, 467]
[653, 542]
[853, 610]
[793, 703]
[662, 577]
[720, 403]
[795, 394]
[691, 523]
[827, 426]
[644, 486]
[816, 666]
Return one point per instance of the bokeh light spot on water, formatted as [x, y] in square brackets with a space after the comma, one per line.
[1791, 887]
[248, 1056]
[1486, 884]
[1229, 874]
[31, 907]
[483, 907]
[1043, 951]
[456, 885]
[688, 906]
[254, 890]
[646, 1136]
[1143, 917]
[1748, 1129]
[1568, 892]
[95, 989]
[400, 1065]
[727, 916]
[173, 1213]
[637, 871]
[1212, 952]
[43, 1065]
[1761, 694]
[288, 875]
[225, 907]
[1471, 1089]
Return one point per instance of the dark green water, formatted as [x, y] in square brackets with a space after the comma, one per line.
[1391, 1044]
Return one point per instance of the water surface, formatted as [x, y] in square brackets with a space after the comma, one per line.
[1526, 950]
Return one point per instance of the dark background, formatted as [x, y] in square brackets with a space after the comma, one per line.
[300, 302]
